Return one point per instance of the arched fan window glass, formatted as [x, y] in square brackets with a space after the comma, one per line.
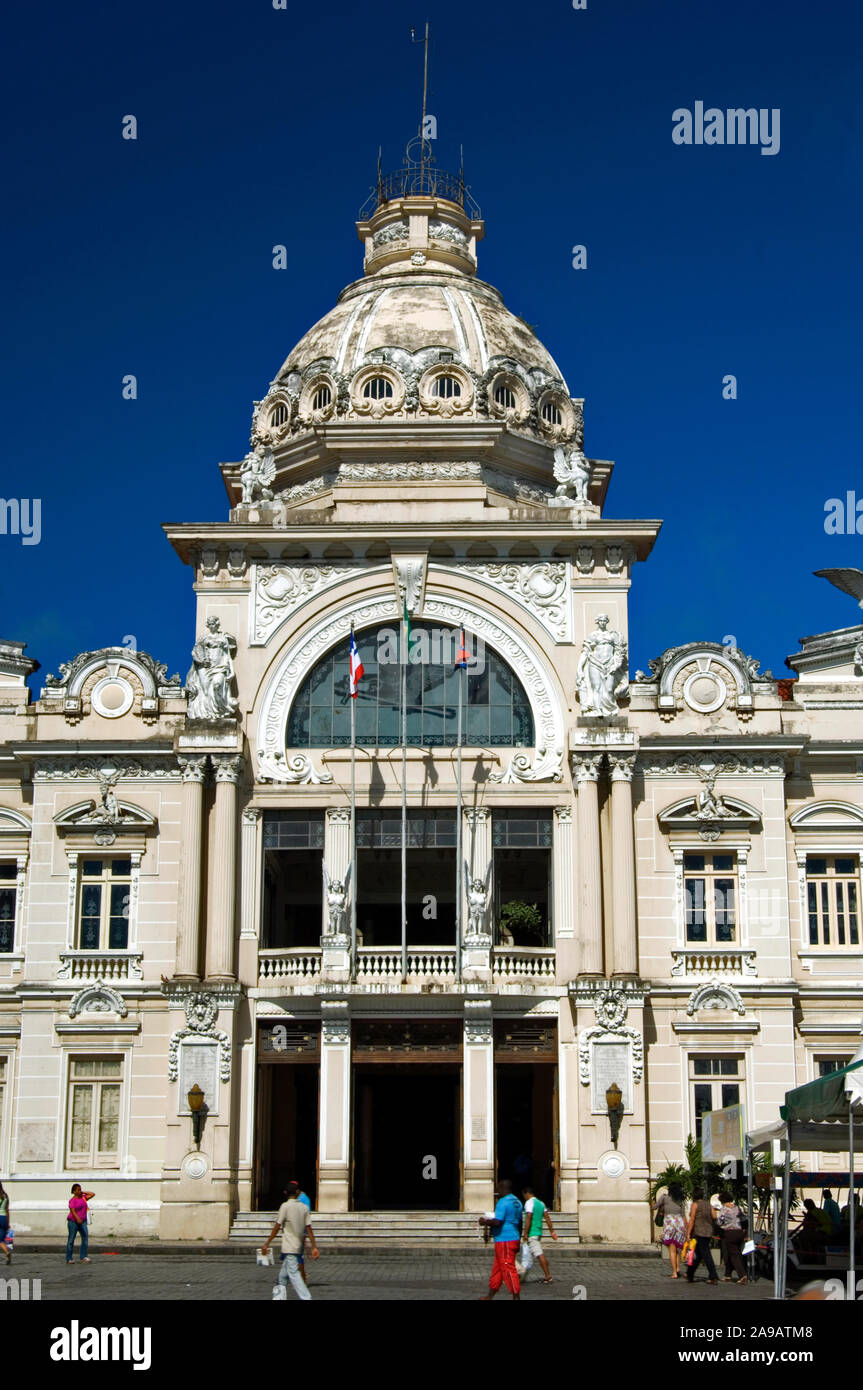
[496, 711]
[377, 388]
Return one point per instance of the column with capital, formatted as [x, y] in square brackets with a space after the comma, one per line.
[478, 1102]
[625, 961]
[228, 769]
[585, 771]
[194, 773]
[334, 1126]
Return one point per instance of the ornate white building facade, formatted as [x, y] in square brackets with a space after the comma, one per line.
[669, 870]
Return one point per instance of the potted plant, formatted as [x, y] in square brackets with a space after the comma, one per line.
[520, 924]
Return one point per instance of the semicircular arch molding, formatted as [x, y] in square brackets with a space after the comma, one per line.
[296, 660]
[14, 822]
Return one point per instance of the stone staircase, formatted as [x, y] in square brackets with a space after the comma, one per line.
[429, 1231]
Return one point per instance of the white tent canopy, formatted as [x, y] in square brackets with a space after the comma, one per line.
[824, 1116]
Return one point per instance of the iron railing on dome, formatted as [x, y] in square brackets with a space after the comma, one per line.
[422, 180]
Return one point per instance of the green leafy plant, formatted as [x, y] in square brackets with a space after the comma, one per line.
[522, 920]
[696, 1172]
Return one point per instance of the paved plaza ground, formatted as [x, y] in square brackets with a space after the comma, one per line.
[355, 1277]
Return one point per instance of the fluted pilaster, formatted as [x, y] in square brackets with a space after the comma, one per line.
[623, 862]
[228, 769]
[194, 773]
[585, 770]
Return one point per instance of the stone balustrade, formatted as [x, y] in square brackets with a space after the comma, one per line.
[295, 964]
[514, 963]
[100, 965]
[707, 961]
[424, 963]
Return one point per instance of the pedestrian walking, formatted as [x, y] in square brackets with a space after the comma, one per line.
[506, 1224]
[301, 1258]
[5, 1222]
[700, 1228]
[295, 1223]
[730, 1222]
[76, 1223]
[535, 1211]
[669, 1210]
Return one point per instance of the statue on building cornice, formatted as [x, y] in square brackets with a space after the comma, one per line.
[572, 471]
[601, 677]
[256, 476]
[210, 678]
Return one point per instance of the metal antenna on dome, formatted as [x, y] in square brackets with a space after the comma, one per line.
[422, 128]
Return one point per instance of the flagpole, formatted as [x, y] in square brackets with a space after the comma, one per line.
[404, 657]
[355, 874]
[458, 844]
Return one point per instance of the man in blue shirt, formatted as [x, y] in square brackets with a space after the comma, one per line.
[506, 1224]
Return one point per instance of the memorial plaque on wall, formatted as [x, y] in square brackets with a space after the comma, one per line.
[199, 1062]
[610, 1062]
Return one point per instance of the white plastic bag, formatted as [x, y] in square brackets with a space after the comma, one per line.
[280, 1293]
[749, 1248]
[526, 1257]
[262, 1259]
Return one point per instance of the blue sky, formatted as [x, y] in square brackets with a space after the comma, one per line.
[260, 126]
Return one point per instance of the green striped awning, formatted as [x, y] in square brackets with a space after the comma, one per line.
[827, 1098]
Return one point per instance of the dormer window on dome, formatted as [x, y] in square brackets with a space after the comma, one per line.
[321, 398]
[551, 413]
[377, 388]
[446, 387]
[279, 415]
[505, 397]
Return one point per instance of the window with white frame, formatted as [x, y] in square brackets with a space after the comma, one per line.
[710, 899]
[95, 1093]
[833, 899]
[715, 1082]
[8, 905]
[103, 904]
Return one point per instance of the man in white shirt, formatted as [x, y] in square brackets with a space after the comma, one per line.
[295, 1223]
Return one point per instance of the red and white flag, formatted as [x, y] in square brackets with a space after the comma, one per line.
[356, 668]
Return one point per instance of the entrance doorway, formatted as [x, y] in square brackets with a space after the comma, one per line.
[406, 1137]
[287, 1132]
[525, 1127]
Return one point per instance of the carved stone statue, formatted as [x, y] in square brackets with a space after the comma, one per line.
[109, 812]
[256, 475]
[211, 676]
[336, 894]
[477, 902]
[572, 471]
[601, 677]
[708, 806]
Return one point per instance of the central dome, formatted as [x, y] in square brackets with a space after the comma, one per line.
[417, 311]
[419, 336]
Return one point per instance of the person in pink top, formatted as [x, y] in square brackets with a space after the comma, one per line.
[77, 1222]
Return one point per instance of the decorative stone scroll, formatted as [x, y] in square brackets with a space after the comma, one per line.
[610, 1004]
[201, 1010]
[279, 590]
[543, 589]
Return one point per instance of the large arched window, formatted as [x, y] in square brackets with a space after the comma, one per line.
[496, 710]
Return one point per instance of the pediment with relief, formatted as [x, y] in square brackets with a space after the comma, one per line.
[709, 808]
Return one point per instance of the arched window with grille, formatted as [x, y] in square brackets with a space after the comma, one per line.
[496, 711]
[378, 388]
